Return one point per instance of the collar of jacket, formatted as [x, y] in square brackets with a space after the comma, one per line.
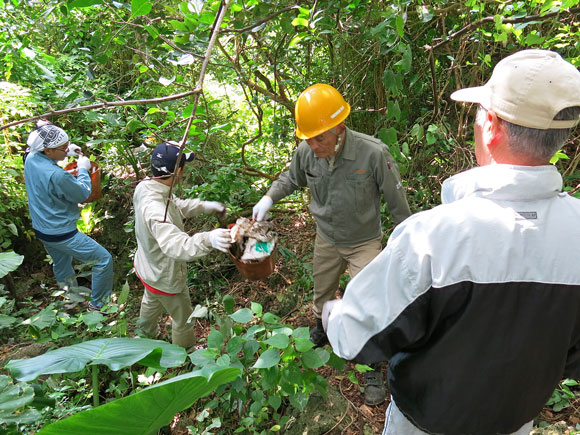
[156, 186]
[504, 182]
[348, 148]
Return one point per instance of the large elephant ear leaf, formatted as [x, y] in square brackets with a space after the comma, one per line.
[147, 410]
[9, 261]
[13, 401]
[115, 353]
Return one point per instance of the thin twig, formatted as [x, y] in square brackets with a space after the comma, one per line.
[263, 20]
[481, 21]
[218, 21]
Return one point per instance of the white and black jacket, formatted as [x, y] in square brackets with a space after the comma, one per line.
[475, 303]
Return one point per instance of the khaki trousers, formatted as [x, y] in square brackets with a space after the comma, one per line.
[179, 308]
[397, 424]
[330, 262]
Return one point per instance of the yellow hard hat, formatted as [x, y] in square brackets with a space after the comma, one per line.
[319, 108]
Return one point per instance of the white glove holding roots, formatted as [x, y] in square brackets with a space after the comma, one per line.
[84, 163]
[261, 208]
[74, 150]
[220, 239]
[213, 207]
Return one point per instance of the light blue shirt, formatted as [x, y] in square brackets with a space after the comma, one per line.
[54, 194]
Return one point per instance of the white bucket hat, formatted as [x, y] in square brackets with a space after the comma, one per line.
[528, 88]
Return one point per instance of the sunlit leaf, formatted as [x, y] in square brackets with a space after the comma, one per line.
[140, 7]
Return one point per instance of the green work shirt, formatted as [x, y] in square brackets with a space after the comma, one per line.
[346, 196]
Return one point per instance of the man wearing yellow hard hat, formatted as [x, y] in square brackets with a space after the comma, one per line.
[346, 172]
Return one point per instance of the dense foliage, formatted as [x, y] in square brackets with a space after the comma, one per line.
[122, 76]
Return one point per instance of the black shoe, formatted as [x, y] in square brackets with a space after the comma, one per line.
[317, 334]
[375, 393]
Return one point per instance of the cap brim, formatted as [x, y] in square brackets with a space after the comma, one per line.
[476, 94]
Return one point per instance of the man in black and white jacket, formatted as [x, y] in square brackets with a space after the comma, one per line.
[476, 303]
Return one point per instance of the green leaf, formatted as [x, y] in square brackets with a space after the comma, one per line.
[388, 136]
[234, 345]
[84, 3]
[300, 22]
[279, 341]
[43, 318]
[418, 131]
[140, 7]
[145, 411]
[302, 332]
[13, 228]
[115, 353]
[124, 294]
[336, 362]
[296, 39]
[268, 359]
[304, 344]
[274, 402]
[299, 400]
[152, 31]
[271, 318]
[229, 303]
[534, 39]
[568, 4]
[312, 359]
[406, 60]
[13, 396]
[243, 315]
[286, 25]
[215, 339]
[93, 318]
[431, 138]
[400, 25]
[393, 110]
[179, 25]
[256, 309]
[9, 261]
[6, 321]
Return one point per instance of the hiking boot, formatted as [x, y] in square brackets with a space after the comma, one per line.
[375, 393]
[317, 334]
[103, 309]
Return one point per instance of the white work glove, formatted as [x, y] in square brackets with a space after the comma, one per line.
[220, 239]
[213, 207]
[74, 150]
[84, 163]
[326, 310]
[261, 208]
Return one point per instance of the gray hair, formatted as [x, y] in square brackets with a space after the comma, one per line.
[533, 142]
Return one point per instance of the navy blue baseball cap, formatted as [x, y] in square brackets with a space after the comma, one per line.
[164, 158]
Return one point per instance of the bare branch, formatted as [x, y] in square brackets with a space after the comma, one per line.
[215, 32]
[263, 20]
[104, 105]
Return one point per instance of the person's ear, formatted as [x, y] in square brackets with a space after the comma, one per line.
[492, 129]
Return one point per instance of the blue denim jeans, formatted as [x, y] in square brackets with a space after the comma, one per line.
[86, 250]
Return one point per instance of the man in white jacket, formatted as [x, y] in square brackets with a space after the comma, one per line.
[475, 303]
[163, 248]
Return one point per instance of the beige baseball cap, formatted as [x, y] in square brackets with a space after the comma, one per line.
[528, 88]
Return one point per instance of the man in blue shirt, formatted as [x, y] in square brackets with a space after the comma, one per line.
[53, 198]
